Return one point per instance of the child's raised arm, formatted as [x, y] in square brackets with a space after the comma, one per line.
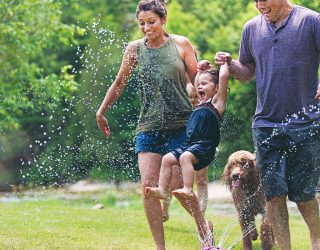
[220, 101]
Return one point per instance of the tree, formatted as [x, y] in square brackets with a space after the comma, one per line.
[33, 83]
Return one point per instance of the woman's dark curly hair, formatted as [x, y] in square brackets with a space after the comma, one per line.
[157, 6]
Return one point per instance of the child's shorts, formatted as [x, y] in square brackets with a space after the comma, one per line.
[289, 161]
[203, 152]
[160, 141]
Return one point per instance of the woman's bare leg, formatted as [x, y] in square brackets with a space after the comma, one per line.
[149, 166]
[189, 200]
[202, 188]
[165, 207]
[202, 193]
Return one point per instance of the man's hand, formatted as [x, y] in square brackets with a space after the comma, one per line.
[222, 58]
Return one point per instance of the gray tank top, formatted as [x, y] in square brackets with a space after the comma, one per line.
[164, 101]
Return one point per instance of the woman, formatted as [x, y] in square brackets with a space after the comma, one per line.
[162, 61]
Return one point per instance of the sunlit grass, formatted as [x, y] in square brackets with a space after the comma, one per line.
[69, 222]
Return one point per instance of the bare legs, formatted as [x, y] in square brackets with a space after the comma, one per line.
[189, 200]
[310, 213]
[185, 195]
[277, 208]
[202, 188]
[278, 211]
[162, 192]
[149, 166]
[165, 207]
[202, 194]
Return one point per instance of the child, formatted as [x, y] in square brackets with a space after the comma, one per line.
[203, 137]
[201, 179]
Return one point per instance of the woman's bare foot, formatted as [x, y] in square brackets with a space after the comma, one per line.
[151, 192]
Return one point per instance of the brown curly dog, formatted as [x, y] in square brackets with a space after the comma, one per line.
[242, 177]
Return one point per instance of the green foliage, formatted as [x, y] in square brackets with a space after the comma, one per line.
[30, 30]
[80, 150]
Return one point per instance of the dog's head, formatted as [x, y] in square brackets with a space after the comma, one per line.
[241, 170]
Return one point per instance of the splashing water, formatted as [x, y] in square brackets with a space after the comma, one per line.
[72, 147]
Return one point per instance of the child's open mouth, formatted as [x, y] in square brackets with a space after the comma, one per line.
[201, 94]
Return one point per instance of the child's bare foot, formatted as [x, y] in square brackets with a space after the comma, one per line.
[184, 193]
[155, 193]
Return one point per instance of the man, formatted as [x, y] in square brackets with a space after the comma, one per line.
[281, 47]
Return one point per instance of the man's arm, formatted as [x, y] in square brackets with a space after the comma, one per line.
[240, 71]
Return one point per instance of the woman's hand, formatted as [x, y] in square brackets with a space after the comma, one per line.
[102, 123]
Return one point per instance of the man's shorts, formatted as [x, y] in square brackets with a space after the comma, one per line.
[289, 161]
[203, 152]
[160, 141]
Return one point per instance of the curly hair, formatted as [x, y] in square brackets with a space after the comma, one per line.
[213, 73]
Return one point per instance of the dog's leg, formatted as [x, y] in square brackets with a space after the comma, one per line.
[253, 230]
[246, 230]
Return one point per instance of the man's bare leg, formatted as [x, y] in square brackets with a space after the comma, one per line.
[310, 213]
[278, 211]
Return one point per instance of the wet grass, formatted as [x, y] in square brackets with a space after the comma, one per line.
[67, 221]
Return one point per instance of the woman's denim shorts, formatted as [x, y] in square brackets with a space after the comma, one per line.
[160, 141]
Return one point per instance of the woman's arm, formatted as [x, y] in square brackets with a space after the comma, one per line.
[128, 64]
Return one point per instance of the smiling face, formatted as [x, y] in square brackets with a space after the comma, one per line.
[151, 25]
[205, 86]
[274, 11]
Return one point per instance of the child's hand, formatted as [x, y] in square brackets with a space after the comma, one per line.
[204, 65]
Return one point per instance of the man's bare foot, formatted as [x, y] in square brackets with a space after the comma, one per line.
[155, 193]
[184, 193]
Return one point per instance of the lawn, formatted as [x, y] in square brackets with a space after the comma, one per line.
[60, 220]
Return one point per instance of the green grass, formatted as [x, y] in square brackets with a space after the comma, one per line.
[63, 223]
